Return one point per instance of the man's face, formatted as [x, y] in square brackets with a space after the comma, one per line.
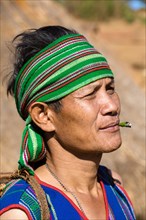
[89, 118]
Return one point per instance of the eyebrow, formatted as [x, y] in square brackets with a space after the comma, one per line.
[84, 90]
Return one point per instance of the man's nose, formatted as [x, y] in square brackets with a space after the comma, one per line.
[110, 105]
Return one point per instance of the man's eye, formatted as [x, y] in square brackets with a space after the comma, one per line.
[91, 93]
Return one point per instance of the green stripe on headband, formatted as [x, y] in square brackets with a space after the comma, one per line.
[62, 67]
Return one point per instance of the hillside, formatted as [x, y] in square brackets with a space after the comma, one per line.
[123, 45]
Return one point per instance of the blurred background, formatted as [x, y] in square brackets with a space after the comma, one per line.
[117, 29]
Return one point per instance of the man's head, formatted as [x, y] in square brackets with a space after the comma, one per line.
[61, 67]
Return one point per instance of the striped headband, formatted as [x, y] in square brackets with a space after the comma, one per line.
[62, 67]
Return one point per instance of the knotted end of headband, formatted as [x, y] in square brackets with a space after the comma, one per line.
[32, 148]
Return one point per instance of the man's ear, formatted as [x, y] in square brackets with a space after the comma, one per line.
[42, 116]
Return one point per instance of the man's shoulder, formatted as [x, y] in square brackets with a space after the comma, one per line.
[15, 186]
[14, 190]
[18, 194]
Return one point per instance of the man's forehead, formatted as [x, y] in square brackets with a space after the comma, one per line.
[97, 83]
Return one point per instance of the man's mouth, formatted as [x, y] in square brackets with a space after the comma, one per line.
[112, 126]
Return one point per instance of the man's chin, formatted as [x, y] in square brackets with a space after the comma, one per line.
[112, 148]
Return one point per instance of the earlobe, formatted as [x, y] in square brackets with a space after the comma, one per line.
[42, 116]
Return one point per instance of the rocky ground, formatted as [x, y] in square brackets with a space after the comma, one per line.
[123, 45]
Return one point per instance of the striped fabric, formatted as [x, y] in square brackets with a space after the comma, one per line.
[117, 203]
[20, 195]
[62, 67]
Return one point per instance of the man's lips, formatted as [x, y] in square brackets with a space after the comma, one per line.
[110, 125]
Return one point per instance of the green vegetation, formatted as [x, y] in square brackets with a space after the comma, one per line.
[101, 10]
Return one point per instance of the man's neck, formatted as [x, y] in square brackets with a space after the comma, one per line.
[77, 172]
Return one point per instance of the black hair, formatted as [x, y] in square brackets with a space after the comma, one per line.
[30, 42]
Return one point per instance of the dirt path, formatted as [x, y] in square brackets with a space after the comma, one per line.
[129, 160]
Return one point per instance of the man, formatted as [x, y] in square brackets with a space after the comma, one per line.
[64, 89]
